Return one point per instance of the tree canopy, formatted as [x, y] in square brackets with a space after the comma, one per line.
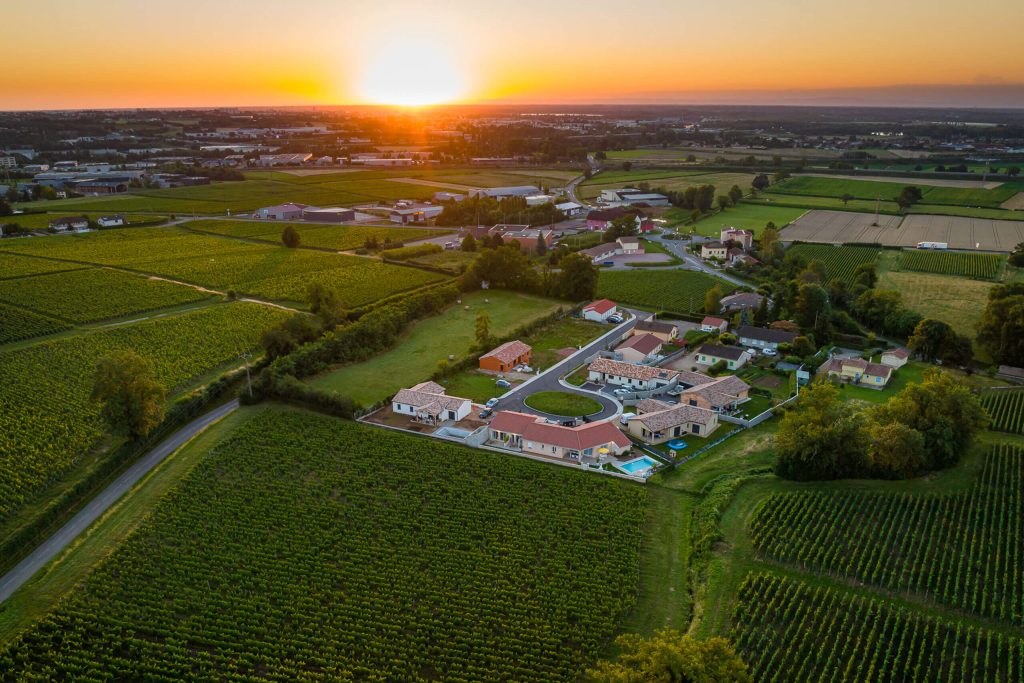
[671, 657]
[133, 401]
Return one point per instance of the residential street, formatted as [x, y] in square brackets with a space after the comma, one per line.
[50, 548]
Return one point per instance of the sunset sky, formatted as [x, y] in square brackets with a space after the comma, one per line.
[129, 53]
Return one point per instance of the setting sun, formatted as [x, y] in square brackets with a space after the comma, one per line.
[411, 71]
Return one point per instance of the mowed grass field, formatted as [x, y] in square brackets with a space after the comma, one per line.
[669, 180]
[265, 188]
[744, 216]
[956, 300]
[817, 186]
[432, 340]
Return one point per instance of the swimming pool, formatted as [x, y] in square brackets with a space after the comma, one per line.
[639, 466]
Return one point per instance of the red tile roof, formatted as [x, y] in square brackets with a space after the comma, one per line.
[509, 352]
[533, 428]
[712, 321]
[600, 306]
[644, 343]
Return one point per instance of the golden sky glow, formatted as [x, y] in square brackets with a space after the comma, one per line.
[127, 53]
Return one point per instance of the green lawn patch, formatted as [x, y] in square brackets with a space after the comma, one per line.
[745, 216]
[563, 403]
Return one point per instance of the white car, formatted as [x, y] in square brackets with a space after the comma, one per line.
[622, 392]
[491, 402]
[769, 352]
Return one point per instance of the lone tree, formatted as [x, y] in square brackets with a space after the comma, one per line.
[713, 300]
[325, 304]
[846, 198]
[671, 656]
[469, 243]
[290, 237]
[133, 402]
[483, 330]
[577, 278]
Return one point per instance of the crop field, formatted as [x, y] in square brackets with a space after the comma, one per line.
[41, 221]
[92, 294]
[831, 203]
[46, 418]
[978, 266]
[821, 186]
[17, 324]
[843, 227]
[13, 266]
[963, 551]
[789, 631]
[840, 262]
[743, 216]
[961, 232]
[377, 556]
[1006, 407]
[668, 290]
[670, 180]
[339, 237]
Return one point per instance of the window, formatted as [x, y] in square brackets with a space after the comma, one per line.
[695, 428]
[554, 449]
[693, 402]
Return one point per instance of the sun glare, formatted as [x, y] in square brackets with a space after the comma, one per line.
[412, 72]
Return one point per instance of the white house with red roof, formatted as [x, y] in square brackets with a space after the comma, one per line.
[600, 310]
[533, 435]
[713, 324]
[427, 402]
[639, 348]
[895, 358]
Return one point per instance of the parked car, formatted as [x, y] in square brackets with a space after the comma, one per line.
[622, 392]
[770, 352]
[491, 402]
[616, 319]
[503, 383]
[486, 413]
[624, 418]
[451, 245]
[525, 368]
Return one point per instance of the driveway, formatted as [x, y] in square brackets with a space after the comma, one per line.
[549, 380]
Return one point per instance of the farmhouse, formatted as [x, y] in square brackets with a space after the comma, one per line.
[665, 331]
[763, 337]
[857, 371]
[714, 250]
[600, 310]
[744, 239]
[69, 223]
[333, 214]
[711, 323]
[895, 358]
[633, 377]
[532, 434]
[601, 252]
[742, 301]
[639, 348]
[426, 402]
[282, 212]
[733, 356]
[506, 357]
[660, 422]
[110, 221]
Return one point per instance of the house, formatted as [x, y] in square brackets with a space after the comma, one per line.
[534, 435]
[660, 422]
[715, 250]
[502, 192]
[332, 214]
[282, 212]
[601, 219]
[742, 238]
[721, 395]
[628, 245]
[631, 376]
[895, 358]
[69, 223]
[110, 221]
[600, 310]
[763, 337]
[666, 332]
[506, 357]
[601, 252]
[570, 209]
[8, 162]
[733, 356]
[742, 301]
[712, 324]
[426, 402]
[857, 371]
[639, 348]
[734, 256]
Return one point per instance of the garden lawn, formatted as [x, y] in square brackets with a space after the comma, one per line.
[478, 387]
[563, 403]
[432, 340]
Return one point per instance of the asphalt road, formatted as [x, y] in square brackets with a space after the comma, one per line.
[691, 262]
[549, 379]
[50, 548]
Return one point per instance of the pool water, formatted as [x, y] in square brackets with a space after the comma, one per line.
[638, 466]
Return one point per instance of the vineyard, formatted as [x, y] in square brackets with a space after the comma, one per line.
[308, 548]
[17, 324]
[1006, 407]
[963, 551]
[12, 266]
[340, 237]
[840, 262]
[669, 290]
[978, 266]
[46, 418]
[787, 631]
[92, 294]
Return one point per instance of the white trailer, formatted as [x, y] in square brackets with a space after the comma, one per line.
[932, 245]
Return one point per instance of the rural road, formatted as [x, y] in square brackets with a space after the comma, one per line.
[691, 262]
[50, 548]
[549, 379]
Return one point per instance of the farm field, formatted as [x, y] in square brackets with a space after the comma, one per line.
[978, 266]
[958, 550]
[420, 594]
[17, 324]
[91, 294]
[661, 179]
[429, 341]
[680, 291]
[1006, 407]
[840, 262]
[843, 227]
[55, 378]
[955, 300]
[743, 216]
[825, 186]
[814, 634]
[41, 221]
[14, 266]
[830, 203]
[339, 237]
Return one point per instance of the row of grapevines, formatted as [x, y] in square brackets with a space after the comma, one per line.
[1006, 407]
[839, 261]
[979, 266]
[790, 631]
[965, 551]
[17, 324]
[309, 548]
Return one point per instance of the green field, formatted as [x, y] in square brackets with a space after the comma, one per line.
[563, 403]
[14, 266]
[379, 556]
[840, 262]
[41, 221]
[338, 237]
[54, 378]
[92, 294]
[17, 324]
[680, 291]
[955, 300]
[744, 216]
[819, 186]
[432, 340]
[964, 264]
[669, 180]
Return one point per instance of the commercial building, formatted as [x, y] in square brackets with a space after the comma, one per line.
[333, 214]
[282, 212]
